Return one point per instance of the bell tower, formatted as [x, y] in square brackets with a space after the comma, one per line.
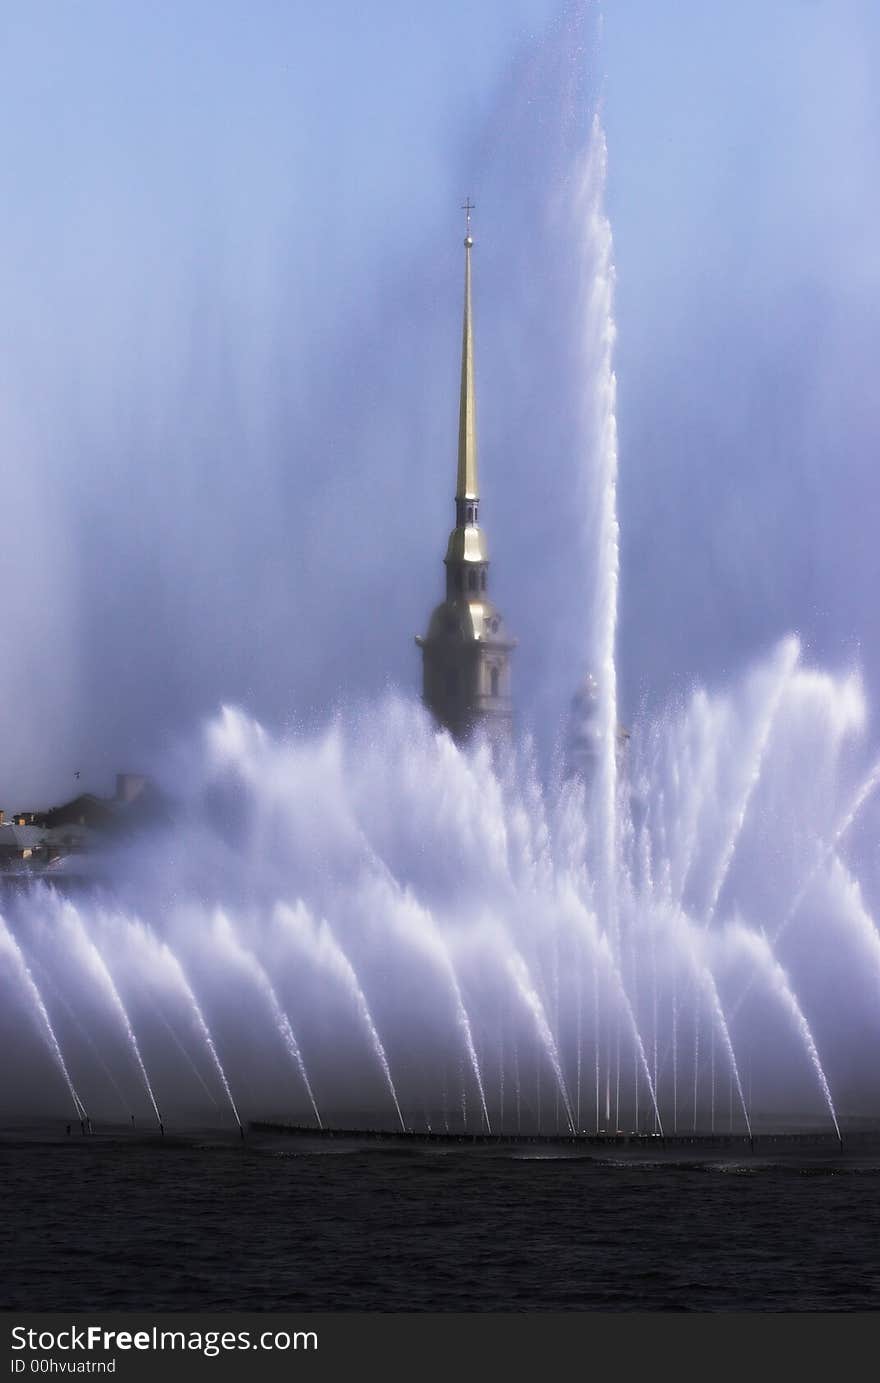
[466, 651]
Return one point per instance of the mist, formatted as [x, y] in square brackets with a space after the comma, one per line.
[232, 294]
[230, 404]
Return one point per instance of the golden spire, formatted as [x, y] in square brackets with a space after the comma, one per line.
[467, 418]
[466, 651]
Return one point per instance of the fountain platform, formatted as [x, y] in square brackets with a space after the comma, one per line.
[820, 1140]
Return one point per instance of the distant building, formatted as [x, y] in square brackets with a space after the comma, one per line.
[39, 839]
[84, 810]
[466, 651]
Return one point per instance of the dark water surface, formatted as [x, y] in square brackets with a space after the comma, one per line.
[115, 1223]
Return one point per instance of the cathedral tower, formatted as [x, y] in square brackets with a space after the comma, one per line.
[466, 652]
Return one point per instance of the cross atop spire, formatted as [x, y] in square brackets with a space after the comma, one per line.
[467, 207]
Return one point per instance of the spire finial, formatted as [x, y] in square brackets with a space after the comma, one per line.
[467, 207]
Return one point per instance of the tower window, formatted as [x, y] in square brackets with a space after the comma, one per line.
[459, 579]
[493, 680]
[483, 579]
[472, 580]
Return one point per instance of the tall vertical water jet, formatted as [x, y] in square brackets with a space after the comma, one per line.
[601, 537]
[600, 428]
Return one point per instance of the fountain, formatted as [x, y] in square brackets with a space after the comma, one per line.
[672, 943]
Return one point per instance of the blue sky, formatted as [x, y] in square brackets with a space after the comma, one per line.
[230, 277]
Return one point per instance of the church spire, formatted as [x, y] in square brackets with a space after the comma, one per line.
[466, 651]
[467, 488]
